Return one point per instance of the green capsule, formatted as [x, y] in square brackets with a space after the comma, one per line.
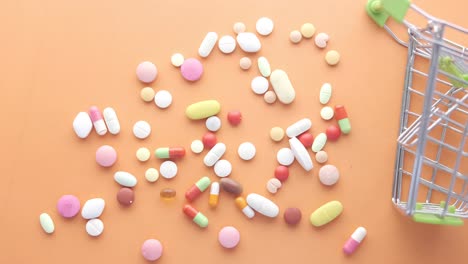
[201, 220]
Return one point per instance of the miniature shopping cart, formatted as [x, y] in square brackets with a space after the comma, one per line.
[431, 168]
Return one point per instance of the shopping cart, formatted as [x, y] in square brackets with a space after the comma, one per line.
[431, 168]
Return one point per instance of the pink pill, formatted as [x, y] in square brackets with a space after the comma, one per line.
[151, 249]
[229, 237]
[146, 72]
[329, 175]
[68, 206]
[106, 156]
[191, 69]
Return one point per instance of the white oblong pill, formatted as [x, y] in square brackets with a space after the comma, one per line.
[168, 169]
[264, 26]
[301, 154]
[325, 93]
[222, 168]
[248, 42]
[213, 123]
[319, 142]
[207, 44]
[246, 151]
[273, 185]
[141, 129]
[47, 223]
[285, 156]
[214, 154]
[259, 85]
[163, 99]
[197, 146]
[321, 40]
[125, 179]
[327, 113]
[82, 125]
[94, 227]
[262, 205]
[299, 127]
[264, 66]
[93, 208]
[112, 121]
[227, 44]
[282, 86]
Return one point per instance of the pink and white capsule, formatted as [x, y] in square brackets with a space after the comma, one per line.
[355, 240]
[98, 121]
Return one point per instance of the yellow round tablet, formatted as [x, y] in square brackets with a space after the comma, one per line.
[277, 134]
[151, 175]
[147, 94]
[177, 59]
[143, 154]
[307, 30]
[332, 57]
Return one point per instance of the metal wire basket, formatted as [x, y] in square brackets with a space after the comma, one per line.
[431, 168]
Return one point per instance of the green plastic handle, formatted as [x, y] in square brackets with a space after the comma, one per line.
[381, 10]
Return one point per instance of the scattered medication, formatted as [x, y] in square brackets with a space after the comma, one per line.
[295, 36]
[68, 206]
[264, 67]
[152, 249]
[147, 94]
[327, 113]
[246, 209]
[319, 142]
[170, 153]
[146, 72]
[326, 213]
[282, 86]
[321, 157]
[262, 205]
[214, 194]
[227, 44]
[125, 196]
[299, 127]
[214, 154]
[203, 109]
[177, 59]
[282, 173]
[325, 93]
[321, 40]
[168, 169]
[343, 121]
[259, 85]
[248, 42]
[285, 156]
[143, 154]
[306, 139]
[277, 134]
[301, 154]
[106, 156]
[333, 132]
[94, 227]
[229, 237]
[93, 208]
[82, 125]
[47, 223]
[196, 216]
[141, 129]
[269, 97]
[98, 121]
[222, 168]
[209, 140]
[239, 27]
[197, 189]
[246, 151]
[167, 194]
[191, 69]
[332, 57]
[152, 175]
[207, 44]
[231, 186]
[245, 63]
[329, 175]
[264, 26]
[355, 240]
[112, 122]
[197, 146]
[163, 99]
[234, 117]
[125, 179]
[273, 185]
[292, 216]
[307, 30]
[213, 123]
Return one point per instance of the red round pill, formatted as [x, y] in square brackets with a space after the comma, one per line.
[209, 140]
[234, 117]
[282, 173]
[306, 139]
[333, 133]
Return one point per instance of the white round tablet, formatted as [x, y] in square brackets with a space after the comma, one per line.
[163, 99]
[327, 113]
[246, 151]
[177, 59]
[213, 123]
[239, 27]
[141, 129]
[94, 227]
[259, 85]
[222, 168]
[197, 146]
[285, 156]
[143, 154]
[227, 44]
[168, 169]
[264, 26]
[151, 175]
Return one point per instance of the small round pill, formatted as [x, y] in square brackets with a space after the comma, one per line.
[295, 36]
[143, 154]
[213, 123]
[197, 146]
[259, 85]
[321, 156]
[94, 227]
[246, 151]
[68, 206]
[306, 139]
[209, 140]
[151, 175]
[146, 72]
[163, 99]
[147, 94]
[168, 169]
[282, 173]
[191, 69]
[152, 249]
[167, 194]
[106, 156]
[177, 59]
[245, 63]
[141, 129]
[321, 40]
[239, 27]
[273, 185]
[222, 168]
[276, 134]
[269, 97]
[307, 30]
[229, 237]
[329, 175]
[264, 26]
[234, 117]
[327, 113]
[292, 216]
[227, 44]
[285, 156]
[333, 132]
[125, 196]
[332, 57]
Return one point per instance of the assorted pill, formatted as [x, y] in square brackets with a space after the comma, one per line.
[214, 154]
[200, 186]
[141, 129]
[68, 206]
[112, 121]
[196, 216]
[191, 69]
[213, 123]
[146, 72]
[94, 227]
[239, 27]
[264, 66]
[125, 196]
[203, 109]
[264, 26]
[98, 121]
[207, 44]
[329, 175]
[333, 132]
[214, 194]
[259, 85]
[282, 86]
[209, 140]
[231, 186]
[262, 205]
[241, 203]
[234, 117]
[276, 134]
[299, 127]
[295, 36]
[321, 40]
[292, 216]
[222, 168]
[82, 125]
[269, 97]
[343, 121]
[229, 237]
[197, 146]
[168, 169]
[125, 179]
[246, 151]
[306, 139]
[106, 156]
[170, 153]
[319, 142]
[282, 173]
[47, 223]
[321, 156]
[167, 194]
[332, 57]
[245, 63]
[143, 154]
[273, 185]
[354, 240]
[285, 156]
[151, 250]
[163, 99]
[327, 113]
[227, 44]
[307, 30]
[151, 175]
[325, 93]
[93, 208]
[147, 94]
[177, 59]
[248, 42]
[300, 154]
[326, 213]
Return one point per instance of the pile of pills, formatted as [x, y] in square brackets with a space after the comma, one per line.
[274, 85]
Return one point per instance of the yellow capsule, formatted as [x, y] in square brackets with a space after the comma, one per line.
[214, 194]
[246, 209]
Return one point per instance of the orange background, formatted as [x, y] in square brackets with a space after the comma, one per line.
[61, 57]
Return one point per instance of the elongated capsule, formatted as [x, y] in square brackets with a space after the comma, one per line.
[214, 194]
[199, 187]
[325, 93]
[246, 209]
[170, 153]
[214, 154]
[355, 240]
[196, 216]
[98, 121]
[299, 127]
[343, 121]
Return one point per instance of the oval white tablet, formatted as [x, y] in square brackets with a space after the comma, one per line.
[299, 127]
[325, 93]
[301, 154]
[262, 205]
[112, 122]
[213, 123]
[285, 156]
[207, 44]
[264, 67]
[94, 227]
[222, 168]
[327, 113]
[168, 169]
[47, 223]
[259, 85]
[214, 154]
[125, 179]
[227, 44]
[93, 208]
[319, 142]
[163, 99]
[141, 129]
[248, 42]
[197, 146]
[282, 86]
[246, 151]
[264, 26]
[82, 125]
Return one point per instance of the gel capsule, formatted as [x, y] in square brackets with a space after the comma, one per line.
[343, 120]
[196, 216]
[98, 121]
[199, 187]
[214, 194]
[246, 209]
[170, 153]
[167, 194]
[355, 240]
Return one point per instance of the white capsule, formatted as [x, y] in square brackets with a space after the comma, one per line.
[299, 127]
[282, 86]
[214, 154]
[125, 179]
[248, 42]
[82, 125]
[301, 154]
[227, 44]
[319, 142]
[249, 212]
[94, 227]
[264, 66]
[262, 205]
[93, 208]
[112, 121]
[207, 44]
[214, 189]
[325, 93]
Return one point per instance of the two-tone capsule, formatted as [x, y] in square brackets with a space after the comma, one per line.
[343, 121]
[196, 216]
[199, 187]
[214, 194]
[355, 240]
[246, 209]
[170, 153]
[98, 121]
